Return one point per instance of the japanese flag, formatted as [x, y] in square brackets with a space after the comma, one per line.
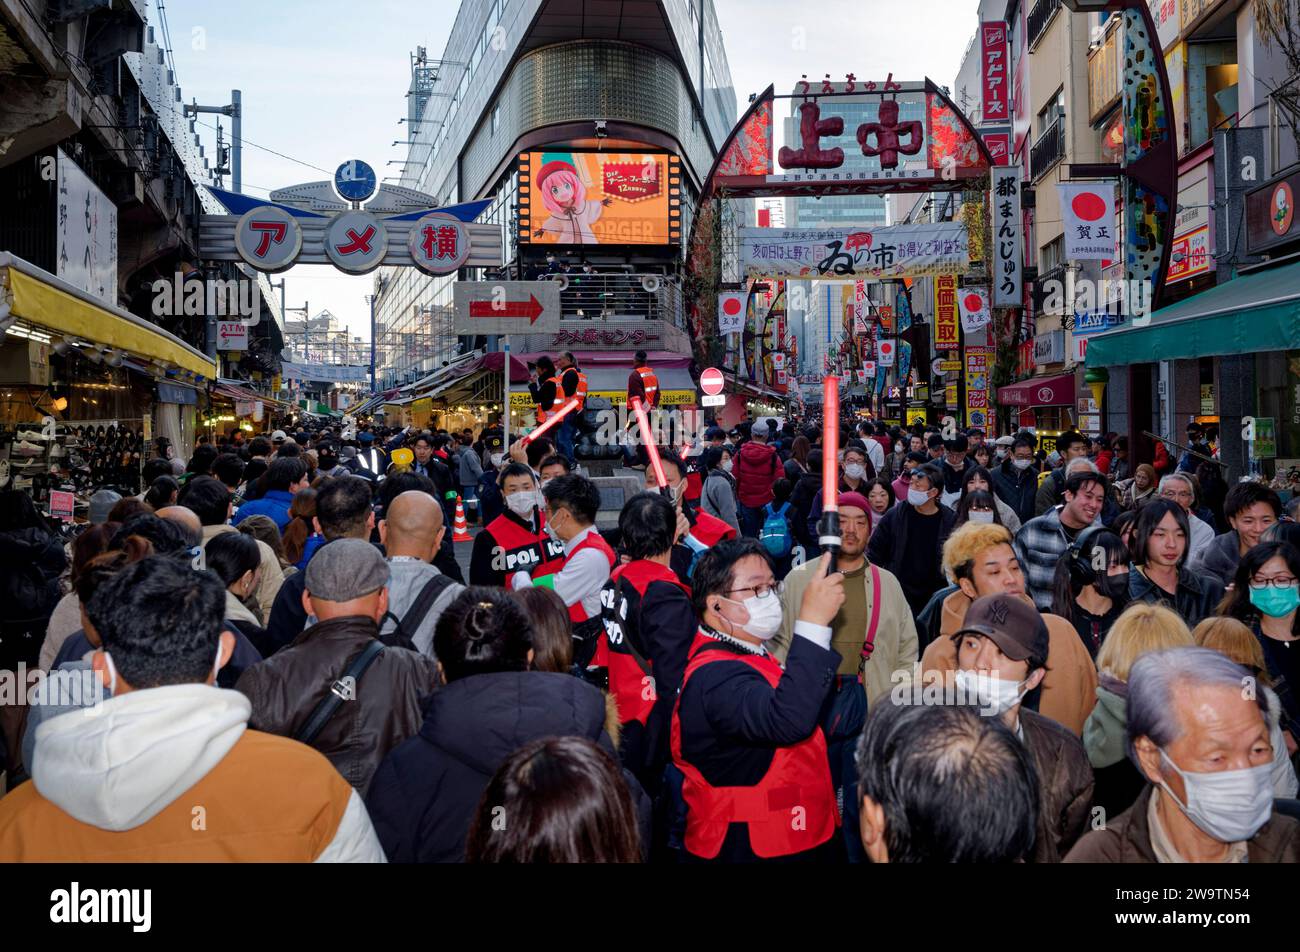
[862, 375]
[885, 353]
[1088, 215]
[731, 312]
[778, 360]
[974, 305]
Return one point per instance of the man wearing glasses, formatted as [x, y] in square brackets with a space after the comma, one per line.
[745, 735]
[1179, 488]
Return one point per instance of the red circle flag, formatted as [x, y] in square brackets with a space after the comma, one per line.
[711, 381]
[731, 305]
[1089, 206]
[974, 302]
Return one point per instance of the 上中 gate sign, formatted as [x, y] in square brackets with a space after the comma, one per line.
[268, 238]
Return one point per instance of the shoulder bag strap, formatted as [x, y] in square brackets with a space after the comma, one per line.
[869, 645]
[338, 693]
[403, 635]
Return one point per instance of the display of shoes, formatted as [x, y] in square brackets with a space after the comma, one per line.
[36, 435]
[25, 448]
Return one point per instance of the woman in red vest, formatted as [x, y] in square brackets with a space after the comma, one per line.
[745, 733]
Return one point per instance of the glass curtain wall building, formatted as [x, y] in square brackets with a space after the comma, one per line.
[549, 77]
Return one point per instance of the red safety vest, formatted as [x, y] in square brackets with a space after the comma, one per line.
[651, 384]
[710, 530]
[627, 678]
[593, 541]
[521, 549]
[796, 787]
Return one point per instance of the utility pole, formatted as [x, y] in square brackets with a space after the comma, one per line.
[234, 110]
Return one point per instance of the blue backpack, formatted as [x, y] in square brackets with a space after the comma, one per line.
[775, 534]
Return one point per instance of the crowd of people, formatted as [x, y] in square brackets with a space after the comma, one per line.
[1012, 654]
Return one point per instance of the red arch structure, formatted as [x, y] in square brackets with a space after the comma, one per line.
[956, 157]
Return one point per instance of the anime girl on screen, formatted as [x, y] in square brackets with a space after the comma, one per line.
[564, 195]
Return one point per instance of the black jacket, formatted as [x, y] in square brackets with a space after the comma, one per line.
[952, 478]
[732, 720]
[1197, 597]
[888, 549]
[31, 561]
[424, 795]
[801, 501]
[1017, 488]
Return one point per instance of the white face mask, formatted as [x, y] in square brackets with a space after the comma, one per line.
[1230, 805]
[1021, 463]
[764, 615]
[523, 503]
[725, 465]
[980, 515]
[112, 669]
[917, 497]
[496, 459]
[1001, 452]
[855, 471]
[993, 694]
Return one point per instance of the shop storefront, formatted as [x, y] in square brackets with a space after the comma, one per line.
[85, 389]
[1046, 405]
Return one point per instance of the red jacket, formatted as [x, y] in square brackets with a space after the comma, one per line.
[1162, 462]
[757, 469]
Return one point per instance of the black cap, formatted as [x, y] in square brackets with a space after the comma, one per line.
[1011, 622]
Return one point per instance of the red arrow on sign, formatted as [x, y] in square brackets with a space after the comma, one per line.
[531, 309]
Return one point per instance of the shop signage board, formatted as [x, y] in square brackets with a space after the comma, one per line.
[886, 252]
[1008, 237]
[85, 230]
[62, 505]
[507, 307]
[1271, 218]
[232, 335]
[993, 69]
[945, 312]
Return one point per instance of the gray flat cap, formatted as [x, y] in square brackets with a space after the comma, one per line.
[101, 504]
[346, 569]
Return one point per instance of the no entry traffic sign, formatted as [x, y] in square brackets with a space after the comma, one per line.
[712, 381]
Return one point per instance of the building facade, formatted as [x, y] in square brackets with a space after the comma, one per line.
[578, 84]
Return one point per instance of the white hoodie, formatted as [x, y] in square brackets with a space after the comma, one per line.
[120, 767]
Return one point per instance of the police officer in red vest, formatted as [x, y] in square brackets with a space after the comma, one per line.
[697, 531]
[571, 505]
[745, 733]
[517, 539]
[649, 626]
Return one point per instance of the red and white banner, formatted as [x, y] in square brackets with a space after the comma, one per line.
[731, 312]
[1088, 214]
[993, 72]
[974, 305]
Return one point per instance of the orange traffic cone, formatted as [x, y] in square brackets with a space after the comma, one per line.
[460, 530]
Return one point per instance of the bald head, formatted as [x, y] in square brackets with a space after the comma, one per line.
[412, 526]
[185, 517]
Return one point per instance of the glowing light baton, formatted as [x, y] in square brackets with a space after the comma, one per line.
[552, 420]
[828, 529]
[643, 424]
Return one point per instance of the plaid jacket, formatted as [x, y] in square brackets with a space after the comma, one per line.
[1039, 545]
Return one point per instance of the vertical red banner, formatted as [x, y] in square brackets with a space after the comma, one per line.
[993, 71]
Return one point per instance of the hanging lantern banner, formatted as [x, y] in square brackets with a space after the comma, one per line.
[1088, 214]
[974, 305]
[1008, 238]
[887, 252]
[731, 312]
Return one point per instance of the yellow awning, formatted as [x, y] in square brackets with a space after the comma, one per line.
[40, 298]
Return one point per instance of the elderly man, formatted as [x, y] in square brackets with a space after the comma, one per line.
[1002, 654]
[1179, 488]
[941, 784]
[1202, 742]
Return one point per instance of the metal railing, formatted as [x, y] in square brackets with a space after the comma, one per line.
[1040, 15]
[1048, 149]
[620, 297]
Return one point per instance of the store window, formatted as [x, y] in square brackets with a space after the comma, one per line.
[1211, 88]
[1277, 380]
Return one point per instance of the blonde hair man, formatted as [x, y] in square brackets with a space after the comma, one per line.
[980, 559]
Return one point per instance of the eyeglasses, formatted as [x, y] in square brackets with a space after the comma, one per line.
[761, 591]
[1280, 581]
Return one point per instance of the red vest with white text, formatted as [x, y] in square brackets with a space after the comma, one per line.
[792, 809]
[627, 679]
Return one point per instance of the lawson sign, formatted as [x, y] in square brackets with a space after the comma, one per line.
[1096, 321]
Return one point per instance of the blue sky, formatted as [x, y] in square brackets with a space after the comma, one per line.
[325, 80]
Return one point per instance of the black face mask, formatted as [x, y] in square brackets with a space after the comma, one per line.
[1114, 587]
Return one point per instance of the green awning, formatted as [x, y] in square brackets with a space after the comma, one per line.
[1255, 312]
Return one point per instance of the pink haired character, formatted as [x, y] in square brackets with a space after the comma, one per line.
[564, 196]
